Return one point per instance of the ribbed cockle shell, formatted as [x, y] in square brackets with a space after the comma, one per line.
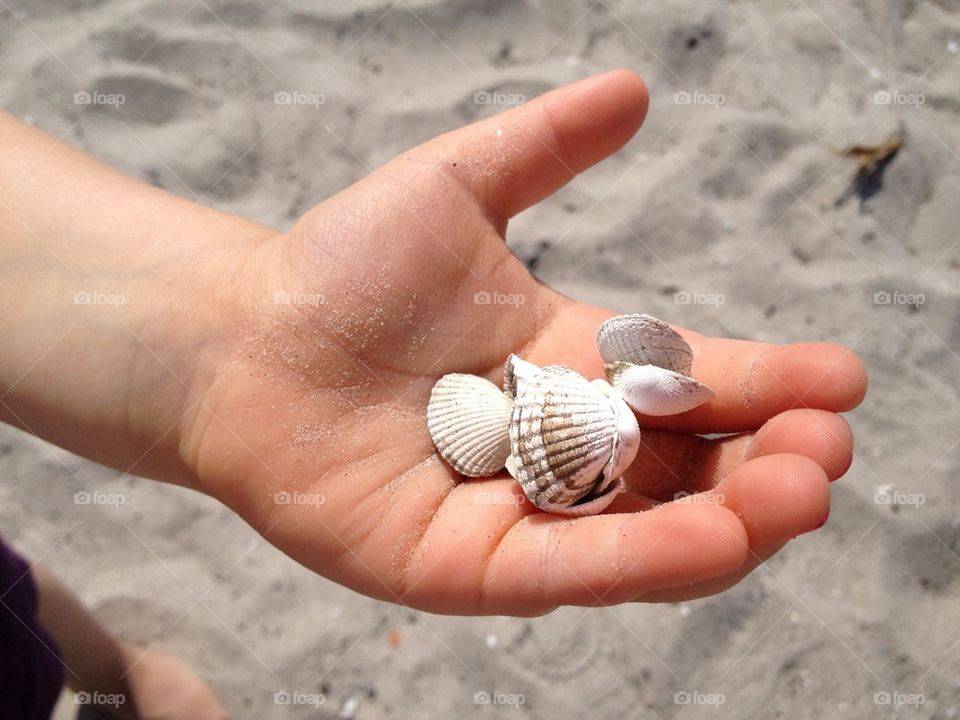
[569, 441]
[644, 340]
[469, 420]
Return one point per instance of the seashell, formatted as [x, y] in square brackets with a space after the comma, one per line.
[653, 390]
[517, 370]
[644, 340]
[626, 442]
[568, 441]
[649, 364]
[469, 421]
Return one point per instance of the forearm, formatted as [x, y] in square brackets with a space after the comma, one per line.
[109, 286]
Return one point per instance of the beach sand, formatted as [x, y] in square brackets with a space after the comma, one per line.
[729, 213]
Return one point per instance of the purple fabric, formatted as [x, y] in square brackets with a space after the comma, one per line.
[31, 673]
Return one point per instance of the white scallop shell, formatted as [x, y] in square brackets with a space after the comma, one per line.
[517, 370]
[563, 431]
[469, 421]
[644, 340]
[653, 390]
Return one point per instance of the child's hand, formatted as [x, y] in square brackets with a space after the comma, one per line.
[310, 420]
[288, 375]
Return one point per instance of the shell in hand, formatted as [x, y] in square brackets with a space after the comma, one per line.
[469, 420]
[649, 364]
[655, 391]
[644, 340]
[569, 442]
[516, 370]
[566, 440]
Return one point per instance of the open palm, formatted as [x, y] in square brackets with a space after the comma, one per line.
[314, 425]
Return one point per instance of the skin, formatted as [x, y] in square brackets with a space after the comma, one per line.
[203, 379]
[128, 682]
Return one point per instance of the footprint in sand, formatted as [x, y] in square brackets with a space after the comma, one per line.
[557, 651]
[207, 61]
[928, 560]
[141, 99]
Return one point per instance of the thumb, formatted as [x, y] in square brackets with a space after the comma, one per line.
[515, 159]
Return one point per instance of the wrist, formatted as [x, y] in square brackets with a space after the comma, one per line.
[119, 294]
[193, 326]
[110, 358]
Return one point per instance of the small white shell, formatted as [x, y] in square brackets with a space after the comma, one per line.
[653, 390]
[644, 340]
[626, 442]
[469, 421]
[517, 370]
[563, 433]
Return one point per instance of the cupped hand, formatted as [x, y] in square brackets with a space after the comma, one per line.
[312, 421]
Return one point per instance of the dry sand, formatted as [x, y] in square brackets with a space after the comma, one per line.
[733, 195]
